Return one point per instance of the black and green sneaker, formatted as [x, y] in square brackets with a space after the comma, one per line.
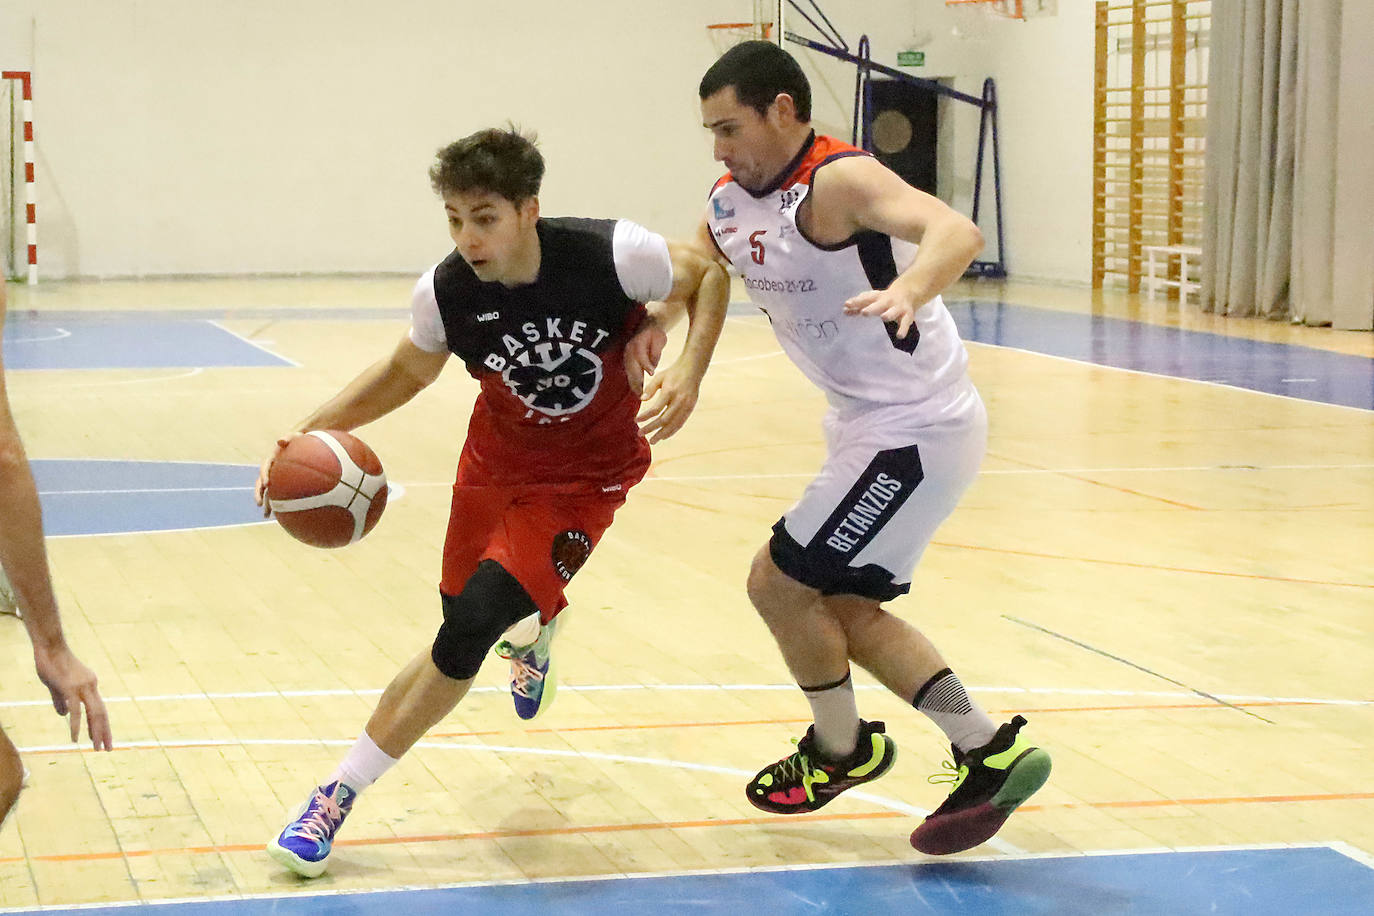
[989, 783]
[806, 780]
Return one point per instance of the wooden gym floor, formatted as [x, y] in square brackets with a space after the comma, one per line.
[1169, 576]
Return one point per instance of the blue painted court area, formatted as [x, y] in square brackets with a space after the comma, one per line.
[116, 497]
[1299, 372]
[85, 342]
[190, 339]
[1254, 882]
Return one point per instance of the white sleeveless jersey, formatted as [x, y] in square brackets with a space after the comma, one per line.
[802, 286]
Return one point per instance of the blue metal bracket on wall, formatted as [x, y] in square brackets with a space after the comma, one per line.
[861, 135]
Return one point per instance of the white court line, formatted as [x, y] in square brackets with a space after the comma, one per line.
[141, 531]
[143, 490]
[59, 335]
[220, 464]
[255, 345]
[890, 804]
[190, 373]
[1352, 852]
[1213, 383]
[1220, 383]
[399, 489]
[395, 491]
[1007, 472]
[745, 359]
[729, 688]
[1185, 468]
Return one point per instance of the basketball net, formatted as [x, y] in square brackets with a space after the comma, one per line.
[976, 19]
[1006, 9]
[725, 35]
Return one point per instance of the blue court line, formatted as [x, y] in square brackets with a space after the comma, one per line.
[1253, 882]
[114, 343]
[1274, 368]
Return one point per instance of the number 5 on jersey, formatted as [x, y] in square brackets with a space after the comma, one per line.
[756, 251]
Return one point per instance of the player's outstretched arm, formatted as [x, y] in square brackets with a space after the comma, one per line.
[701, 289]
[858, 193]
[24, 558]
[378, 390]
[646, 346]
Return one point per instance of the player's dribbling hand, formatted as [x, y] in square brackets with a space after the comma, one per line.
[668, 400]
[73, 688]
[887, 304]
[260, 488]
[642, 353]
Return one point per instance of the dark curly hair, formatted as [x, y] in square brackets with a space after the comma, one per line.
[501, 160]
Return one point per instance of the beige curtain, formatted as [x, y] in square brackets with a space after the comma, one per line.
[1287, 231]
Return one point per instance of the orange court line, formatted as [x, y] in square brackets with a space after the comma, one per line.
[807, 720]
[776, 821]
[1128, 490]
[454, 837]
[1155, 566]
[797, 720]
[1099, 483]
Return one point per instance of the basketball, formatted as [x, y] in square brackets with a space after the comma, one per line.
[327, 488]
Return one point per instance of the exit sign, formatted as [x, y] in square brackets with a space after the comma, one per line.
[911, 58]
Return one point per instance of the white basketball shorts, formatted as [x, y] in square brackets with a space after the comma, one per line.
[890, 478]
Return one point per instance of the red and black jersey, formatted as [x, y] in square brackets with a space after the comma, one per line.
[555, 406]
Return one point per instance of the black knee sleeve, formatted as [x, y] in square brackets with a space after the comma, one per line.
[474, 620]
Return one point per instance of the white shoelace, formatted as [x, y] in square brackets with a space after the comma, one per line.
[522, 673]
[322, 816]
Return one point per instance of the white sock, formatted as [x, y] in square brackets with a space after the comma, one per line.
[944, 699]
[524, 632]
[363, 765]
[836, 715]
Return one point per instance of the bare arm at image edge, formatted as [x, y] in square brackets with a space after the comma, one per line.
[24, 557]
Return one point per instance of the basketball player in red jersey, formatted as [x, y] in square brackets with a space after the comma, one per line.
[848, 261]
[24, 561]
[540, 311]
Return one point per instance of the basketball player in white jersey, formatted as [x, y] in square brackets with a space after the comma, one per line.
[848, 261]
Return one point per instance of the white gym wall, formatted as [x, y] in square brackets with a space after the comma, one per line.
[181, 138]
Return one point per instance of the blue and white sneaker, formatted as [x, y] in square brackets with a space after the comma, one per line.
[305, 844]
[532, 681]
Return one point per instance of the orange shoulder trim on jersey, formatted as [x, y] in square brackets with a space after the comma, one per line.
[721, 182]
[822, 151]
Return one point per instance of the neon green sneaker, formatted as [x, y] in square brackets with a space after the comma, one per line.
[532, 681]
[805, 780]
[989, 783]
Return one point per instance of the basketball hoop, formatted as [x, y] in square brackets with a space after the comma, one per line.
[1007, 9]
[735, 32]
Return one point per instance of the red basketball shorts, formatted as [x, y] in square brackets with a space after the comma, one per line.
[541, 535]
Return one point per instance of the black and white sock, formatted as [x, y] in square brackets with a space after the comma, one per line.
[944, 699]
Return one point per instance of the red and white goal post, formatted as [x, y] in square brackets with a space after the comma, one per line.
[24, 81]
